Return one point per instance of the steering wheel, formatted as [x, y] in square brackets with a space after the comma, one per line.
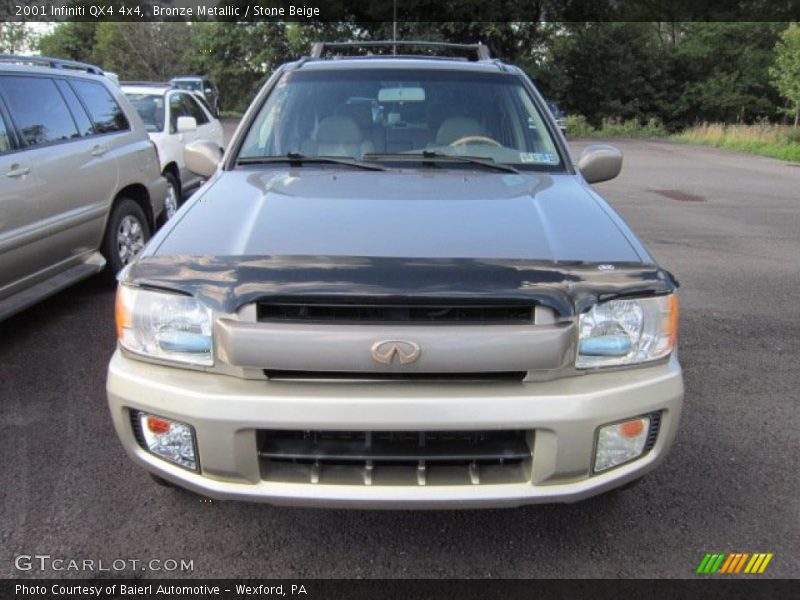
[467, 139]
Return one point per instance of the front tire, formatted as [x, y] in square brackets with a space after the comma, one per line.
[126, 234]
[173, 199]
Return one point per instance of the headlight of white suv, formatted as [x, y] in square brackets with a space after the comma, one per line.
[164, 326]
[629, 331]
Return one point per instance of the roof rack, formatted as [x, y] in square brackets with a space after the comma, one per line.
[53, 63]
[480, 49]
[165, 84]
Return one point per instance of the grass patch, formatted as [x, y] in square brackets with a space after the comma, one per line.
[577, 126]
[775, 141]
[230, 114]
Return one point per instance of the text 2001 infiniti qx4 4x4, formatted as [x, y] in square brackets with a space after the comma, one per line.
[396, 290]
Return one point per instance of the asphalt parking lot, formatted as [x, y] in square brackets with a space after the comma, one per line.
[728, 226]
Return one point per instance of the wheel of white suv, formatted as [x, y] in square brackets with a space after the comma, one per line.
[173, 199]
[126, 234]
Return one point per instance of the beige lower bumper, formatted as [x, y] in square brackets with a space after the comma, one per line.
[226, 412]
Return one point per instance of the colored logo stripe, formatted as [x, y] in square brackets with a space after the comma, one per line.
[734, 563]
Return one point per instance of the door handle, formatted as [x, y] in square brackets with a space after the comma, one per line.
[17, 171]
[99, 150]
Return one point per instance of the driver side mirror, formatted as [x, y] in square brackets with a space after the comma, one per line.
[600, 162]
[186, 124]
[202, 157]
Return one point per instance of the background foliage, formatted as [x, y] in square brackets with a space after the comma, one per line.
[662, 74]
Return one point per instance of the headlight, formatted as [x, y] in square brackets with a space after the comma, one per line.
[625, 332]
[164, 326]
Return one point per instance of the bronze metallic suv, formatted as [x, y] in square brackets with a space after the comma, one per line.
[397, 289]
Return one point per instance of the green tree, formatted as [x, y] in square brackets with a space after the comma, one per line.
[238, 56]
[72, 39]
[723, 70]
[786, 71]
[148, 51]
[605, 70]
[16, 38]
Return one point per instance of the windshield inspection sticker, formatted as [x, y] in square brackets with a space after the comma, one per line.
[535, 157]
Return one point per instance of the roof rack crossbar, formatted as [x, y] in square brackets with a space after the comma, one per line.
[480, 49]
[166, 84]
[53, 63]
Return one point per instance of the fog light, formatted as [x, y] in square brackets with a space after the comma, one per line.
[620, 443]
[168, 439]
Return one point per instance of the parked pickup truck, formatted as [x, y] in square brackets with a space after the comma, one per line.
[415, 301]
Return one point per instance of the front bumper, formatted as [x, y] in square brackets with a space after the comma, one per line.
[226, 413]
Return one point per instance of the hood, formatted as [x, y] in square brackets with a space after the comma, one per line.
[332, 235]
[427, 213]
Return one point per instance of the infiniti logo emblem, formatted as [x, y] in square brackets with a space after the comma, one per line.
[384, 351]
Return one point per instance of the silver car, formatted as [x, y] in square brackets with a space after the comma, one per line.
[202, 86]
[415, 301]
[81, 189]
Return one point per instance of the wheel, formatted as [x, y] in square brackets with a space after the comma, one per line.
[126, 234]
[173, 199]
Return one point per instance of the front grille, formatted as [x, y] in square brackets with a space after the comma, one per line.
[395, 457]
[492, 376]
[394, 313]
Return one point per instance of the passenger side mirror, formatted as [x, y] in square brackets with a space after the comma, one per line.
[600, 162]
[202, 157]
[186, 124]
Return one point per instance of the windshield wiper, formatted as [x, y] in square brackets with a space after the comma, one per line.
[436, 156]
[298, 160]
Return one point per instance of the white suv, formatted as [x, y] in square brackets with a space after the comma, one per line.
[174, 118]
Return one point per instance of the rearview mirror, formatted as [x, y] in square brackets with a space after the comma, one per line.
[186, 124]
[401, 94]
[600, 162]
[202, 157]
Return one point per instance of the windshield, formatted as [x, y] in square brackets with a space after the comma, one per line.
[188, 84]
[374, 113]
[150, 108]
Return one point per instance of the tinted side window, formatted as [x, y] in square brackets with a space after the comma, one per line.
[104, 110]
[78, 112]
[203, 102]
[38, 109]
[178, 107]
[197, 112]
